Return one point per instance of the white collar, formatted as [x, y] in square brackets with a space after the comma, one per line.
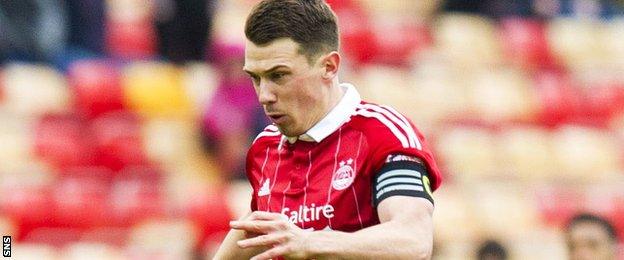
[334, 119]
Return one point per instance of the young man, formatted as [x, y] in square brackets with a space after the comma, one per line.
[591, 237]
[357, 174]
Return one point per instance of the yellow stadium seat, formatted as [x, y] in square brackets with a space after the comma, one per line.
[155, 90]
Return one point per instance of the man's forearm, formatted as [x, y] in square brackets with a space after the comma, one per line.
[406, 232]
[390, 240]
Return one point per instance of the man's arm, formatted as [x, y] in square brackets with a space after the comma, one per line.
[405, 232]
[229, 249]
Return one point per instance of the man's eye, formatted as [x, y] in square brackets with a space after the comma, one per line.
[277, 76]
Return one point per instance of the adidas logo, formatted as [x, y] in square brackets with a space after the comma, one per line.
[265, 189]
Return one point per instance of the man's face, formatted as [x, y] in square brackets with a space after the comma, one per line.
[288, 87]
[590, 241]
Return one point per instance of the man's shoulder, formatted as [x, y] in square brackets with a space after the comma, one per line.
[382, 123]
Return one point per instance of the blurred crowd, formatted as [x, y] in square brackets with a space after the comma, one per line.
[125, 122]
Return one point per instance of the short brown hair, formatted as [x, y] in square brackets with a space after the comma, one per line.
[310, 23]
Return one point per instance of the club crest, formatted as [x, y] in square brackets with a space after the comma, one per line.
[344, 176]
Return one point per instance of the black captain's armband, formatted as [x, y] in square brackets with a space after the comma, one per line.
[401, 175]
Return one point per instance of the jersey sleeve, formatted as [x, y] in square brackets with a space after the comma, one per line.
[388, 144]
[402, 163]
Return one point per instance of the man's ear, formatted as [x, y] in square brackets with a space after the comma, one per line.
[330, 64]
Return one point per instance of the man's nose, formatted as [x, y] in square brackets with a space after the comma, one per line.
[265, 94]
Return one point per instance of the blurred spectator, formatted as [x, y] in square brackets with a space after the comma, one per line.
[86, 25]
[491, 250]
[492, 8]
[85, 32]
[544, 8]
[31, 30]
[579, 8]
[591, 237]
[233, 116]
[183, 28]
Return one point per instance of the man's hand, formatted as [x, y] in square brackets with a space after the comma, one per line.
[273, 230]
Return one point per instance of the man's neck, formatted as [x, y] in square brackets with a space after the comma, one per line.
[335, 94]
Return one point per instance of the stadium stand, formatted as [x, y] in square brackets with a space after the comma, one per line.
[103, 159]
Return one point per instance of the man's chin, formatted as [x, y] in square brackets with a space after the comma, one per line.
[288, 132]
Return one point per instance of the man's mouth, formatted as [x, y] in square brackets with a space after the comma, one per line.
[277, 118]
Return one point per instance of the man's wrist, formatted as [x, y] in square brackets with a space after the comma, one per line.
[323, 243]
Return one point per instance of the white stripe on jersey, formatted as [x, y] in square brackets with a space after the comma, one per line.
[401, 123]
[271, 128]
[305, 190]
[355, 169]
[279, 161]
[409, 126]
[266, 158]
[357, 206]
[402, 138]
[329, 189]
[284, 196]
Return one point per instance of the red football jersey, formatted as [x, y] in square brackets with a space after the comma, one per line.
[323, 179]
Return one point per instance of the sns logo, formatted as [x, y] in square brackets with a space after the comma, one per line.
[344, 176]
[6, 246]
